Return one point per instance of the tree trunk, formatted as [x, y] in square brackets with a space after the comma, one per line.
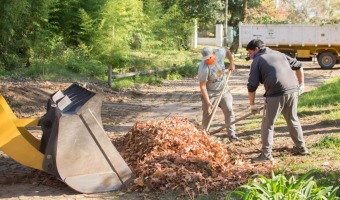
[244, 10]
[234, 46]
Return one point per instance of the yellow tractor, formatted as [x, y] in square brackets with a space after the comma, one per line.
[74, 146]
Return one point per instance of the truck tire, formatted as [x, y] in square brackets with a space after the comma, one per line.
[326, 60]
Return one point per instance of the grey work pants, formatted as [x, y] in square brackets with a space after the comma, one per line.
[287, 105]
[226, 104]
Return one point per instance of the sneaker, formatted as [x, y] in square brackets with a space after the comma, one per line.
[234, 138]
[300, 150]
[262, 157]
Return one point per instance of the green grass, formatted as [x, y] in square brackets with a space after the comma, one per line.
[328, 142]
[322, 103]
[325, 95]
[253, 123]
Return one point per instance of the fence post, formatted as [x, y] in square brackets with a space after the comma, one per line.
[109, 75]
[156, 72]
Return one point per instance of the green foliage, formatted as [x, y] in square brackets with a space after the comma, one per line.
[2, 71]
[91, 68]
[189, 69]
[173, 76]
[279, 187]
[328, 142]
[121, 84]
[20, 21]
[111, 31]
[172, 31]
[11, 61]
[75, 20]
[206, 11]
[328, 177]
[116, 34]
[87, 27]
[133, 82]
[72, 70]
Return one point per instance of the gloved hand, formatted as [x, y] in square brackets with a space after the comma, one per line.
[301, 88]
[254, 109]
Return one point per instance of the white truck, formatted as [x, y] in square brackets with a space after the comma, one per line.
[302, 41]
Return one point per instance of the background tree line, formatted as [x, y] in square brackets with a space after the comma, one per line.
[85, 36]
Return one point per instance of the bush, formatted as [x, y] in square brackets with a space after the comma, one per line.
[189, 69]
[2, 71]
[11, 61]
[279, 187]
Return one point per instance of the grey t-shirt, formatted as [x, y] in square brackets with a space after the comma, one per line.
[214, 74]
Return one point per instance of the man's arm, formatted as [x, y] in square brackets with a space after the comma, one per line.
[253, 83]
[231, 60]
[300, 75]
[251, 96]
[301, 79]
[204, 92]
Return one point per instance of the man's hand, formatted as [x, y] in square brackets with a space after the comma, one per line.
[301, 88]
[210, 107]
[254, 109]
[231, 66]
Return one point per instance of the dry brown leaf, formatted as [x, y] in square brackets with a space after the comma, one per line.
[174, 154]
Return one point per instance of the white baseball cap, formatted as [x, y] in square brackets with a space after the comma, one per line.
[207, 52]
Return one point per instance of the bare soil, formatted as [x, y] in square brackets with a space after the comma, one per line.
[121, 110]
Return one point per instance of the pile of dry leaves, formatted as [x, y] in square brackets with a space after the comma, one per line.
[173, 154]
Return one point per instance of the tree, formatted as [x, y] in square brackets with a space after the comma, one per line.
[20, 22]
[206, 12]
[264, 13]
[121, 19]
[75, 20]
[313, 11]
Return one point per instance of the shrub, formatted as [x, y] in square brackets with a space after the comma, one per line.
[279, 187]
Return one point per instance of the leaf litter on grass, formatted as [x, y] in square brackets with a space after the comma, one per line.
[175, 155]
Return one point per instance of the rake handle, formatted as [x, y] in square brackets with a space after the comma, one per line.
[217, 102]
[233, 122]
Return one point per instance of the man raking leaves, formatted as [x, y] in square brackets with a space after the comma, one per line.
[212, 79]
[283, 80]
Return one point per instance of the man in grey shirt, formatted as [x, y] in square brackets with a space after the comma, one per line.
[211, 77]
[282, 86]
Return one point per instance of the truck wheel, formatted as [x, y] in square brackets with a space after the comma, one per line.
[326, 60]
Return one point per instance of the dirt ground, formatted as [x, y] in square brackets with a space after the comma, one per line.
[121, 110]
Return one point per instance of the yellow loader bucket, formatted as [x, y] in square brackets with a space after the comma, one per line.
[74, 146]
[16, 141]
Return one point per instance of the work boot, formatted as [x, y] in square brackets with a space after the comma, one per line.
[262, 157]
[300, 150]
[234, 138]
